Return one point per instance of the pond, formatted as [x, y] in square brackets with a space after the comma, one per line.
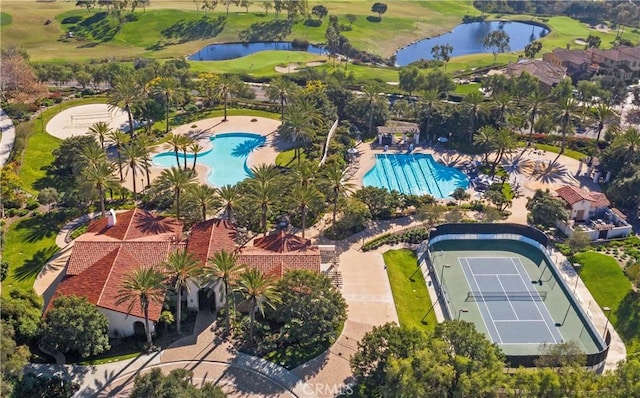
[467, 39]
[219, 52]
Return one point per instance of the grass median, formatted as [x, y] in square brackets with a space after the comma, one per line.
[409, 290]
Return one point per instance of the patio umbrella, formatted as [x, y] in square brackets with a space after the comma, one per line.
[352, 151]
[443, 139]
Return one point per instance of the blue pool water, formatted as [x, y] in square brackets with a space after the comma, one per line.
[417, 174]
[227, 159]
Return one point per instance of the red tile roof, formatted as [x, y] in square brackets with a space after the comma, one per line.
[211, 236]
[101, 257]
[573, 195]
[282, 242]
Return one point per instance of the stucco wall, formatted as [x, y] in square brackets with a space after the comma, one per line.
[122, 324]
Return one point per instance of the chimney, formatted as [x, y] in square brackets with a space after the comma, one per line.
[111, 218]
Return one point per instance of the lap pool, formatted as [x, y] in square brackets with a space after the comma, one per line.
[416, 174]
[227, 160]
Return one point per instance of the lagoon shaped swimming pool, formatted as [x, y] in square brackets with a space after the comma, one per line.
[227, 160]
[416, 174]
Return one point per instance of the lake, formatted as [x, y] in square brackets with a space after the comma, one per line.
[467, 39]
[219, 52]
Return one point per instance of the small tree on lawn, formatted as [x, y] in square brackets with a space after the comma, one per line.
[579, 241]
[379, 8]
[48, 196]
[74, 325]
[319, 11]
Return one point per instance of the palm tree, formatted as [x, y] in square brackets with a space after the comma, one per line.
[304, 198]
[195, 148]
[100, 175]
[125, 93]
[143, 286]
[338, 182]
[119, 140]
[627, 145]
[169, 89]
[372, 96]
[568, 110]
[502, 102]
[145, 142]
[299, 124]
[185, 147]
[485, 139]
[259, 290]
[505, 141]
[134, 161]
[473, 101]
[204, 196]
[181, 267]
[601, 113]
[100, 131]
[281, 89]
[534, 103]
[263, 174]
[229, 196]
[224, 266]
[264, 196]
[303, 174]
[430, 102]
[177, 142]
[93, 154]
[227, 85]
[177, 180]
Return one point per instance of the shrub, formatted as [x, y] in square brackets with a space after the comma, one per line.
[415, 235]
[32, 204]
[313, 22]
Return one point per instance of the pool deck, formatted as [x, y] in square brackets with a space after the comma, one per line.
[209, 127]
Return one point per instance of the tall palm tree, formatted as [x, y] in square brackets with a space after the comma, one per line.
[502, 102]
[259, 290]
[372, 96]
[185, 147]
[229, 196]
[430, 101]
[134, 161]
[169, 89]
[505, 141]
[227, 86]
[100, 175]
[281, 89]
[627, 145]
[568, 110]
[203, 196]
[125, 93]
[263, 174]
[145, 142]
[299, 125]
[305, 198]
[177, 180]
[176, 142]
[473, 101]
[142, 286]
[194, 148]
[119, 140]
[263, 196]
[303, 174]
[180, 268]
[336, 179]
[602, 113]
[534, 103]
[224, 266]
[100, 131]
[93, 154]
[485, 140]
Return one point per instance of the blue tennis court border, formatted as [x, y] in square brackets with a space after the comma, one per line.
[520, 321]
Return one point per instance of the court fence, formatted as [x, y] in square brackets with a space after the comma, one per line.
[523, 233]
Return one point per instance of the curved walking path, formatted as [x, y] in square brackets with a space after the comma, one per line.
[8, 137]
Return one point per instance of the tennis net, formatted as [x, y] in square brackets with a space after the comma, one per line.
[507, 296]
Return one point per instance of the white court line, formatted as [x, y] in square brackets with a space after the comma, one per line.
[521, 320]
[534, 302]
[484, 303]
[494, 274]
[508, 299]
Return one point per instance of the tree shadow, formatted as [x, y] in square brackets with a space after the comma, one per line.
[203, 28]
[628, 314]
[32, 267]
[267, 31]
[39, 227]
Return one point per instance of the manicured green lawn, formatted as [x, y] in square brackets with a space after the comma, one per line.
[467, 88]
[567, 152]
[409, 290]
[287, 158]
[38, 153]
[29, 243]
[609, 286]
[258, 64]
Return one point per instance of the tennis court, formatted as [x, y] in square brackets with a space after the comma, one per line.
[512, 310]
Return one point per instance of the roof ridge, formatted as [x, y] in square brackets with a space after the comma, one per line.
[126, 232]
[106, 280]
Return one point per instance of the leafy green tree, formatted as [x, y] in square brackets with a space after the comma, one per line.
[411, 79]
[259, 290]
[68, 161]
[13, 357]
[181, 268]
[379, 8]
[497, 41]
[178, 383]
[4, 270]
[579, 241]
[142, 286]
[544, 209]
[75, 326]
[381, 203]
[351, 18]
[223, 266]
[431, 214]
[311, 311]
[48, 196]
[319, 11]
[22, 310]
[531, 49]
[178, 181]
[561, 355]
